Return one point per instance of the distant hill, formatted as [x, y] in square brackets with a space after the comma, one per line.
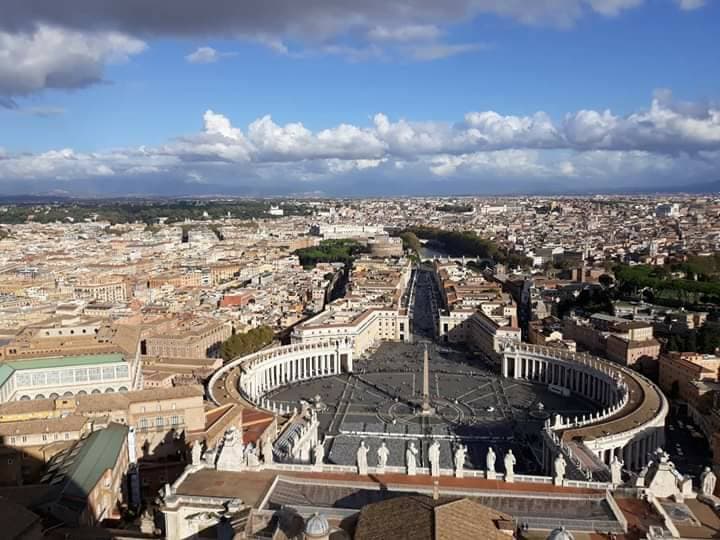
[368, 189]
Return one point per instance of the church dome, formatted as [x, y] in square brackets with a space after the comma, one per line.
[317, 527]
[561, 534]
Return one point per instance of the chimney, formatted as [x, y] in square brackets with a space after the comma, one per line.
[436, 490]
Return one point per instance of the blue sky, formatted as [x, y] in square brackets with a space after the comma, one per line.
[126, 103]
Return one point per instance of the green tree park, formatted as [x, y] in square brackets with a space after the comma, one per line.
[664, 285]
[329, 251]
[246, 342]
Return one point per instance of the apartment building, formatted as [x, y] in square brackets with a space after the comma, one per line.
[111, 291]
[163, 418]
[489, 334]
[193, 338]
[689, 377]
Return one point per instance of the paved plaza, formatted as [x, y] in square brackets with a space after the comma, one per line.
[381, 401]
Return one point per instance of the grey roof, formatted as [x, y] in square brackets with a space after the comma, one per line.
[74, 473]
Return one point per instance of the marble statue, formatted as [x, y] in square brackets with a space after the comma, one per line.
[560, 466]
[319, 452]
[460, 456]
[383, 454]
[410, 455]
[707, 482]
[510, 462]
[490, 464]
[267, 451]
[232, 437]
[616, 471]
[662, 479]
[196, 453]
[231, 456]
[147, 522]
[490, 460]
[210, 456]
[362, 458]
[252, 457]
[434, 458]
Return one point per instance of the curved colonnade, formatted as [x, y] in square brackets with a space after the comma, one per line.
[266, 370]
[631, 422]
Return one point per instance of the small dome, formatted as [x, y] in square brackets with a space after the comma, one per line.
[317, 526]
[560, 534]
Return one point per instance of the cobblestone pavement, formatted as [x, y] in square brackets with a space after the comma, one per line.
[380, 401]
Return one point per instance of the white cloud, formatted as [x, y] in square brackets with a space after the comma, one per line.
[41, 111]
[689, 5]
[438, 51]
[217, 124]
[294, 141]
[53, 57]
[613, 7]
[203, 55]
[494, 129]
[273, 43]
[662, 128]
[669, 138]
[403, 33]
[510, 163]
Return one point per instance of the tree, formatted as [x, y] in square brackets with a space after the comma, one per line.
[606, 280]
[330, 251]
[410, 242]
[246, 343]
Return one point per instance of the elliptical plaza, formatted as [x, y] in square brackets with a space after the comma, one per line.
[542, 435]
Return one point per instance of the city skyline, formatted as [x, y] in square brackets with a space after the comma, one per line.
[402, 98]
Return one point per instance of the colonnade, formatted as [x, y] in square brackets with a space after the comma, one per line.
[266, 370]
[603, 383]
[267, 376]
[584, 379]
[637, 453]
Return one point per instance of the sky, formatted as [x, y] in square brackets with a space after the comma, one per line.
[339, 97]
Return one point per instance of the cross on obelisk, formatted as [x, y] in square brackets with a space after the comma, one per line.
[426, 408]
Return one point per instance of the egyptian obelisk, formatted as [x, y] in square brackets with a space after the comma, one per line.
[426, 408]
